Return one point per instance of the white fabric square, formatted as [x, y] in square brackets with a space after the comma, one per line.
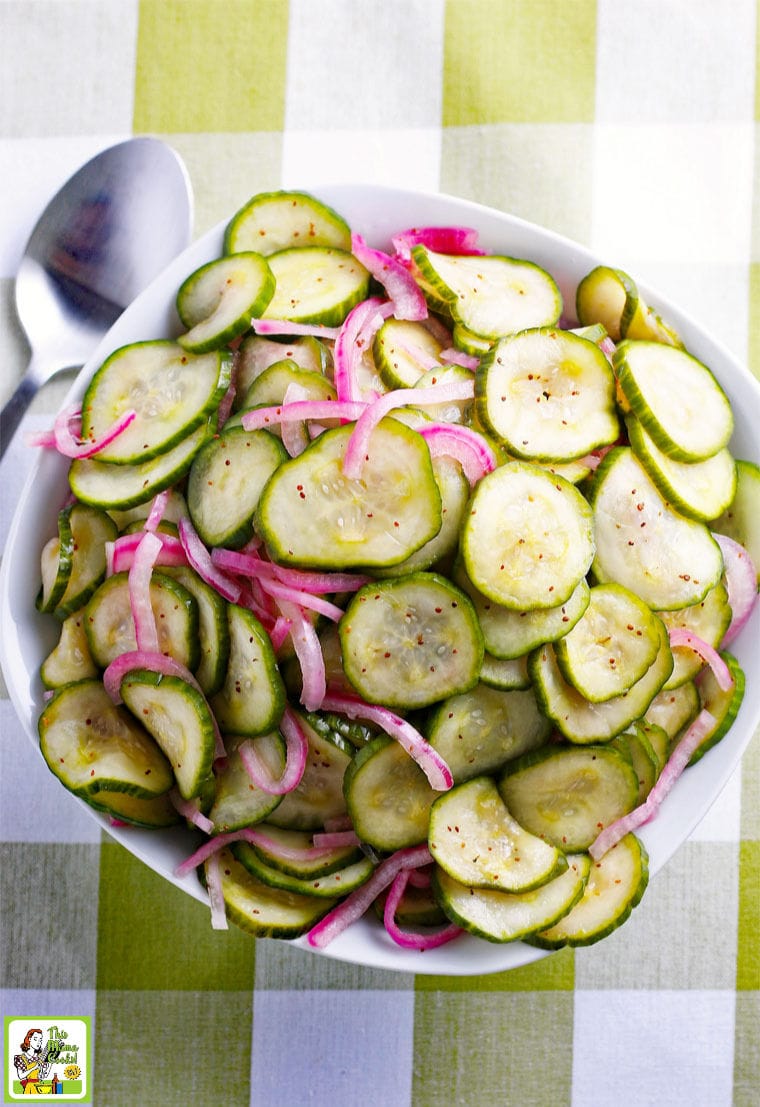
[626, 1049]
[332, 1048]
[364, 65]
[405, 158]
[673, 60]
[673, 193]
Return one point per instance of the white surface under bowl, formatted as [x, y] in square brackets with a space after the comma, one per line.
[376, 213]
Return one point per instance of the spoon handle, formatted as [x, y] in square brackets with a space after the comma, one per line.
[13, 412]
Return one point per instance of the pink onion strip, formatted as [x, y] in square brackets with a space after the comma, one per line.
[215, 893]
[741, 584]
[408, 939]
[72, 446]
[466, 446]
[303, 599]
[358, 443]
[335, 839]
[200, 560]
[320, 582]
[296, 752]
[401, 287]
[285, 326]
[190, 810]
[443, 240]
[124, 547]
[279, 632]
[361, 899]
[302, 410]
[146, 631]
[350, 346]
[157, 511]
[308, 650]
[694, 736]
[432, 764]
[224, 410]
[453, 356]
[259, 838]
[680, 637]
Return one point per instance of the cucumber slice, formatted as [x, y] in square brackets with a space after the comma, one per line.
[474, 838]
[347, 734]
[226, 480]
[672, 710]
[509, 633]
[470, 343]
[477, 732]
[172, 391]
[528, 540]
[319, 796]
[417, 908]
[213, 634]
[709, 620]
[402, 350]
[237, 801]
[611, 646]
[110, 629]
[410, 641]
[56, 562]
[321, 864]
[316, 284]
[722, 705]
[252, 700]
[339, 882]
[615, 886]
[263, 911]
[506, 674]
[272, 221]
[490, 296]
[309, 514]
[741, 519]
[388, 796]
[567, 794]
[217, 302]
[90, 528]
[675, 397]
[93, 746]
[547, 395]
[581, 720]
[256, 353]
[179, 718]
[504, 916]
[70, 658]
[635, 744]
[642, 543]
[454, 411]
[270, 386]
[607, 296]
[698, 489]
[153, 813]
[127, 486]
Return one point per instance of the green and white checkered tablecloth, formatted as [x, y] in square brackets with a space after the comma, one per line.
[629, 125]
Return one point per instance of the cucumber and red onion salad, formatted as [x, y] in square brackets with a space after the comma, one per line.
[437, 380]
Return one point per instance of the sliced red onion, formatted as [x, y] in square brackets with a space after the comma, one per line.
[304, 599]
[265, 417]
[124, 547]
[338, 822]
[350, 346]
[308, 650]
[285, 326]
[157, 510]
[224, 410]
[295, 437]
[679, 636]
[190, 810]
[296, 752]
[146, 631]
[429, 760]
[279, 632]
[607, 346]
[358, 444]
[204, 851]
[215, 893]
[320, 583]
[443, 240]
[406, 295]
[361, 899]
[452, 356]
[42, 439]
[71, 445]
[200, 559]
[693, 737]
[335, 839]
[419, 354]
[466, 446]
[109, 552]
[741, 583]
[287, 853]
[408, 939]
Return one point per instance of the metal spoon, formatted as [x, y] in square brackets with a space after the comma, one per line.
[111, 228]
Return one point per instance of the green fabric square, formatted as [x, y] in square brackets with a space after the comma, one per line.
[456, 1059]
[153, 935]
[510, 61]
[283, 967]
[554, 973]
[211, 65]
[48, 915]
[748, 949]
[173, 1048]
[746, 1049]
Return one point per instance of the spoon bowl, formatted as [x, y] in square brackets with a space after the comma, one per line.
[103, 237]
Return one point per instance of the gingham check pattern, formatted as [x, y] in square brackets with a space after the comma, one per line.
[630, 125]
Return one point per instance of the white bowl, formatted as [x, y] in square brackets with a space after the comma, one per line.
[376, 213]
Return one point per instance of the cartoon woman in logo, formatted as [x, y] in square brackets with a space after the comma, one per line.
[31, 1064]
